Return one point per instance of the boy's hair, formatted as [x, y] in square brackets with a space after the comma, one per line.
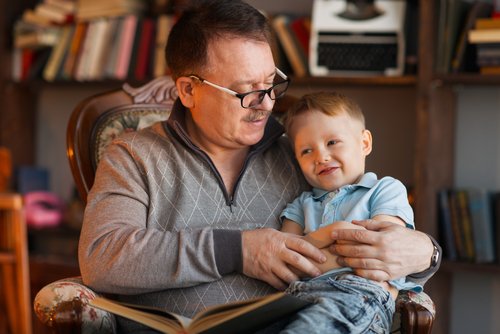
[329, 103]
[199, 25]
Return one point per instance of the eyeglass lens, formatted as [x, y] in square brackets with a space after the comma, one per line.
[255, 98]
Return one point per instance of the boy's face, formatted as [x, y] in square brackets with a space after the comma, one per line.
[331, 150]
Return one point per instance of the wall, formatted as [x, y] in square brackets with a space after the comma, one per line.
[55, 105]
[476, 296]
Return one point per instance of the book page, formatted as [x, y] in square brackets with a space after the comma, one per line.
[254, 314]
[149, 316]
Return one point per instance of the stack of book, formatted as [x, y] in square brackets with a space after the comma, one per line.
[469, 224]
[91, 9]
[486, 37]
[36, 33]
[115, 47]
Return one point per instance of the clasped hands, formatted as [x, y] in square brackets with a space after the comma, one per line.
[376, 250]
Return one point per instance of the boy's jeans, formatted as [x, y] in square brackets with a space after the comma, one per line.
[344, 303]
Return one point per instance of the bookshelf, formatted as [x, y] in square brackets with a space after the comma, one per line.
[435, 106]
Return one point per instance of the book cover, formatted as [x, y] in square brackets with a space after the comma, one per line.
[113, 49]
[490, 70]
[125, 46]
[237, 317]
[484, 36]
[82, 64]
[300, 29]
[102, 49]
[487, 23]
[54, 13]
[495, 212]
[27, 59]
[466, 224]
[445, 226]
[74, 50]
[464, 50]
[57, 55]
[456, 14]
[145, 42]
[482, 225]
[163, 24]
[458, 234]
[281, 26]
[135, 47]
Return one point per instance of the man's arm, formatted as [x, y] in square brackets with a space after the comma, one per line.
[269, 255]
[385, 251]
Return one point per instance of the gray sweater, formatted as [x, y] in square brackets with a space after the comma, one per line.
[161, 229]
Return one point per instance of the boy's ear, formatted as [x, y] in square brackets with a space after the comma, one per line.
[366, 141]
[185, 87]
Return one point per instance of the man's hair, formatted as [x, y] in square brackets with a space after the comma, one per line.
[187, 45]
[329, 103]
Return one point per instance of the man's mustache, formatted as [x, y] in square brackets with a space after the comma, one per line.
[256, 115]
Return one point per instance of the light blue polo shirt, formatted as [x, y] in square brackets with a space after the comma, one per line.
[366, 199]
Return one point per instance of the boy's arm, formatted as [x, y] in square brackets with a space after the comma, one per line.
[392, 219]
[289, 226]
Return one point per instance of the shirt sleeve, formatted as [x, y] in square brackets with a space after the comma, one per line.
[294, 210]
[390, 198]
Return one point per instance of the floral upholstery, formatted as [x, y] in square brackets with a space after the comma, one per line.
[70, 291]
[57, 305]
[118, 121]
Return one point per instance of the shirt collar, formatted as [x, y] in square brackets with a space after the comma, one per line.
[368, 180]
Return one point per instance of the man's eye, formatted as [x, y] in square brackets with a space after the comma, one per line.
[332, 142]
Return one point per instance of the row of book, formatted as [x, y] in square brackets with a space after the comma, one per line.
[129, 47]
[48, 13]
[116, 48]
[456, 51]
[486, 37]
[469, 225]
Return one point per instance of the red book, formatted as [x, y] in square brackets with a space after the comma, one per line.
[144, 55]
[300, 29]
[28, 57]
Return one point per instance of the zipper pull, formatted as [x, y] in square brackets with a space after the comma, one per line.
[231, 204]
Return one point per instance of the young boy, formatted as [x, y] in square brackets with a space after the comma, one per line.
[330, 142]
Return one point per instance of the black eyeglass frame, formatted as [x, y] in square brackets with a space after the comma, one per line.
[241, 96]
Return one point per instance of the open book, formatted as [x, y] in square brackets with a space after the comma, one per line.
[236, 317]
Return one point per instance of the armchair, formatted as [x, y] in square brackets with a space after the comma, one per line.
[63, 305]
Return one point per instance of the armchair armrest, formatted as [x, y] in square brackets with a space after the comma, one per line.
[415, 313]
[63, 307]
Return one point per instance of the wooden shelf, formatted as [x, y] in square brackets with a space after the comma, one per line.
[407, 80]
[469, 79]
[454, 266]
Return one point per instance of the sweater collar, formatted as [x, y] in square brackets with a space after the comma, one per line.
[368, 180]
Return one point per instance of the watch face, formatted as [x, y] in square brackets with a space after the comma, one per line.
[435, 257]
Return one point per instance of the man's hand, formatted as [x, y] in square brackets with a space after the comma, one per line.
[383, 251]
[269, 255]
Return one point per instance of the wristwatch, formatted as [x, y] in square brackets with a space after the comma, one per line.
[434, 262]
[435, 257]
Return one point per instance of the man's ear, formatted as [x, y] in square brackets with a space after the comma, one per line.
[366, 142]
[185, 90]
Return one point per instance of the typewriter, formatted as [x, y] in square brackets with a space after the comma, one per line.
[357, 38]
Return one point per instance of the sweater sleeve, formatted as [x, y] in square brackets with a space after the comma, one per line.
[126, 248]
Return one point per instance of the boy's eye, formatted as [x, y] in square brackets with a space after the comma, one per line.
[332, 142]
[305, 151]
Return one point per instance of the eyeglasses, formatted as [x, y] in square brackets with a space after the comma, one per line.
[254, 98]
